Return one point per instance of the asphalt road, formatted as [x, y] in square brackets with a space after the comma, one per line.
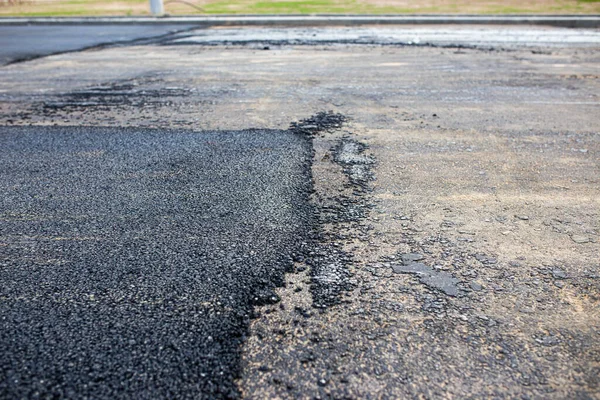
[24, 42]
[441, 35]
[457, 216]
[19, 42]
[130, 257]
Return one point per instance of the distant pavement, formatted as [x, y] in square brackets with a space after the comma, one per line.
[18, 42]
[27, 38]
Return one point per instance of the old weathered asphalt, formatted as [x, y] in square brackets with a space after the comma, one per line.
[24, 42]
[130, 257]
[443, 36]
[484, 159]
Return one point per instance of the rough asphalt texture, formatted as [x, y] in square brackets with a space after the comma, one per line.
[485, 171]
[130, 257]
[27, 42]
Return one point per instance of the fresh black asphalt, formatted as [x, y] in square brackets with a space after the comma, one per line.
[23, 42]
[129, 258]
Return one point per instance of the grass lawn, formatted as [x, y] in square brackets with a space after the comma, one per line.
[179, 7]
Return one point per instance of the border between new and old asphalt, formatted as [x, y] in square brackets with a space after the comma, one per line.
[566, 21]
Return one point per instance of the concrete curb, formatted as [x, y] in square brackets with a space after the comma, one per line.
[567, 21]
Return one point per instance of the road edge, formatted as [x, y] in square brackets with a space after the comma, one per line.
[565, 21]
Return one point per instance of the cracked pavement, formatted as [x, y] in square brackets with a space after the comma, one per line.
[484, 171]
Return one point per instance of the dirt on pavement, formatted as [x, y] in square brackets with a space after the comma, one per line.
[459, 205]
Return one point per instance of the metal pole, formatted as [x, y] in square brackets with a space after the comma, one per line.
[156, 7]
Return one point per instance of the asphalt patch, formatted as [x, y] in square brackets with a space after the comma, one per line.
[331, 275]
[130, 259]
[357, 165]
[322, 122]
[129, 92]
